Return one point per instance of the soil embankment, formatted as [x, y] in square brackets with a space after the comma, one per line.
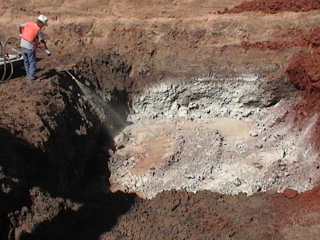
[259, 60]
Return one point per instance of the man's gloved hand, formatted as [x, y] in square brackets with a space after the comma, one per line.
[47, 52]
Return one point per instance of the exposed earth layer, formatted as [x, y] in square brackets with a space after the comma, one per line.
[55, 145]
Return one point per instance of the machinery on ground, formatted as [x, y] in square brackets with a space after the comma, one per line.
[10, 58]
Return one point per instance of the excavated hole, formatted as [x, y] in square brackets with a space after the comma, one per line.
[223, 134]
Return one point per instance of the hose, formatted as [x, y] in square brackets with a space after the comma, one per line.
[73, 77]
[4, 63]
[9, 61]
[5, 69]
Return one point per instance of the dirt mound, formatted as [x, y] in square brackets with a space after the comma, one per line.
[275, 6]
[303, 68]
[304, 71]
[208, 215]
[268, 45]
[296, 38]
[151, 42]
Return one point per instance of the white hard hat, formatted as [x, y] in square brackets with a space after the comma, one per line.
[43, 18]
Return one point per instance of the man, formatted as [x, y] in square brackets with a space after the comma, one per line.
[31, 37]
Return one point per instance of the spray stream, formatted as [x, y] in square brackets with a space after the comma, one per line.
[107, 114]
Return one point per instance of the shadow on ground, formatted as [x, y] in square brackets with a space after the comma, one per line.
[98, 215]
[59, 190]
[22, 164]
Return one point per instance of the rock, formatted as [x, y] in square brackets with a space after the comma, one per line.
[290, 193]
[5, 188]
[253, 134]
[139, 183]
[175, 106]
[183, 112]
[247, 113]
[189, 175]
[193, 105]
[259, 146]
[237, 182]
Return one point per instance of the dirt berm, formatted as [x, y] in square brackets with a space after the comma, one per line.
[188, 120]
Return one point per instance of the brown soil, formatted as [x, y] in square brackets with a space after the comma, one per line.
[53, 154]
[276, 6]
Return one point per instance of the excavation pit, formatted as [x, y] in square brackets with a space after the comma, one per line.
[53, 173]
[208, 135]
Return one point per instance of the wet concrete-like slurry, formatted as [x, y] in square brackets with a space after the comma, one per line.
[213, 98]
[196, 137]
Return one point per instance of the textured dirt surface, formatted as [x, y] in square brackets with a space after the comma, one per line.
[54, 150]
[276, 6]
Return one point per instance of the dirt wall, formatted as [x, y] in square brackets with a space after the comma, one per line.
[275, 6]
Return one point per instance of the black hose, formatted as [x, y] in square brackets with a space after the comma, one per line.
[11, 73]
[11, 64]
[4, 61]
[4, 64]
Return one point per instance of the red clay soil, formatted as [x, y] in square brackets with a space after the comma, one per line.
[275, 6]
[304, 71]
[310, 41]
[32, 114]
[206, 215]
[177, 215]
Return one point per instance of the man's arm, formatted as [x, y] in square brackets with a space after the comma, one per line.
[44, 43]
[21, 27]
[41, 39]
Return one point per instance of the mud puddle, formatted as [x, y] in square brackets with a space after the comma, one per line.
[154, 144]
[202, 136]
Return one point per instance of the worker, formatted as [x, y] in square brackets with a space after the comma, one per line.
[31, 38]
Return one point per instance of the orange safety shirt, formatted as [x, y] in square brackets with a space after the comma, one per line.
[30, 31]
